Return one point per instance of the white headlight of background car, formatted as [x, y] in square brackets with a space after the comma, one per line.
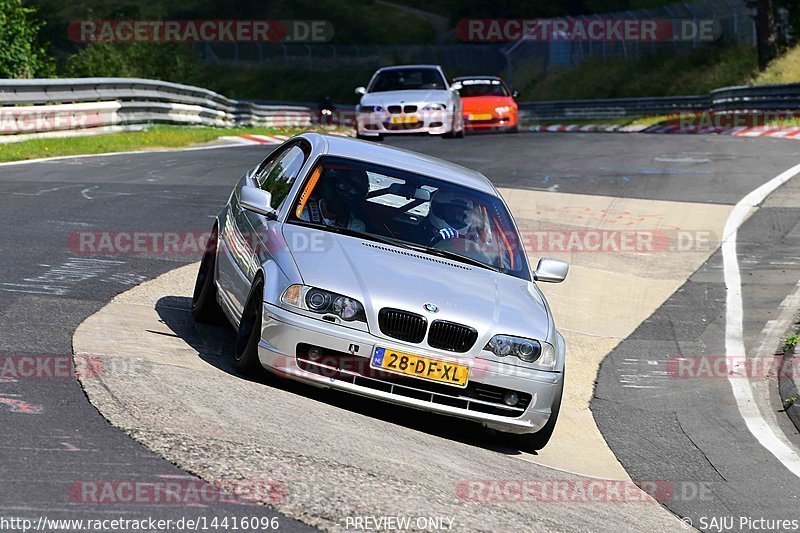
[323, 302]
[526, 350]
[434, 107]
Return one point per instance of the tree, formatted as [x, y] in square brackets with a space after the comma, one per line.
[21, 53]
[765, 32]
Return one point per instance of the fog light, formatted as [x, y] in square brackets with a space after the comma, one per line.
[511, 398]
[314, 353]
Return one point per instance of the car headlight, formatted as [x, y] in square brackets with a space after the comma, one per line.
[502, 109]
[526, 350]
[370, 109]
[323, 302]
[434, 107]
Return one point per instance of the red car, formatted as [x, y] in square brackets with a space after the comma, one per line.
[488, 104]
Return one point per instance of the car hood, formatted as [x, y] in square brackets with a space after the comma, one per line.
[486, 104]
[406, 97]
[381, 276]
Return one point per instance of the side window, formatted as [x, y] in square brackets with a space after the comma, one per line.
[277, 176]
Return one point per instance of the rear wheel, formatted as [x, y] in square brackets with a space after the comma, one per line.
[246, 351]
[205, 307]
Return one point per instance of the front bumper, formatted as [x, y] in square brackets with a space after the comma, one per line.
[497, 122]
[426, 122]
[282, 332]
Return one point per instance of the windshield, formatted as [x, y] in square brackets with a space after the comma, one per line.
[411, 210]
[404, 79]
[482, 88]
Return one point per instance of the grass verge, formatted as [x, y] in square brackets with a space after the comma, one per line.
[153, 138]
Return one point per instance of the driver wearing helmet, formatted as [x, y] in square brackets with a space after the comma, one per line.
[452, 215]
[342, 192]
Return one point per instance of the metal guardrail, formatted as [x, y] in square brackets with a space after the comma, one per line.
[53, 105]
[743, 100]
[611, 108]
[47, 105]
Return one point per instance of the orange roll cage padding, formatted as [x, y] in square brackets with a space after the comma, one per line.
[505, 241]
[306, 194]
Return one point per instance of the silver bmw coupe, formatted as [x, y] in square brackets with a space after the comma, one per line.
[387, 274]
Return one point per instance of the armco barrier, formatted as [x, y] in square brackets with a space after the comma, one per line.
[44, 105]
[744, 99]
[47, 105]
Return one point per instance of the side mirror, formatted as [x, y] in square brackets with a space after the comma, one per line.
[514, 94]
[551, 270]
[361, 91]
[456, 86]
[258, 201]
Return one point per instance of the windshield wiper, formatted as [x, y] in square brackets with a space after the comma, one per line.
[342, 230]
[454, 256]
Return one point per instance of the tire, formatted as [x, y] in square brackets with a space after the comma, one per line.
[205, 308]
[536, 441]
[245, 354]
[375, 138]
[453, 133]
[513, 129]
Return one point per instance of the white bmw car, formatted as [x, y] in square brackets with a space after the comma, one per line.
[411, 99]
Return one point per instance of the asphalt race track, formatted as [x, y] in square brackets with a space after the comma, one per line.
[684, 431]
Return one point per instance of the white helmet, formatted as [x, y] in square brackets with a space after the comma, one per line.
[451, 209]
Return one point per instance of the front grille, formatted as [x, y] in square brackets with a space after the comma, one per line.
[409, 327]
[395, 109]
[342, 366]
[451, 336]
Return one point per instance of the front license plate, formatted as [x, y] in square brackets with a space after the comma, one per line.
[481, 116]
[421, 367]
[404, 119]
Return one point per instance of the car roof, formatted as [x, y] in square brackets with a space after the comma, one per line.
[478, 78]
[396, 67]
[371, 152]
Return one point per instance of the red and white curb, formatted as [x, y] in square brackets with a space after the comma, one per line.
[272, 139]
[256, 139]
[741, 131]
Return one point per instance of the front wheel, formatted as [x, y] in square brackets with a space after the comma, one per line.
[246, 351]
[537, 441]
